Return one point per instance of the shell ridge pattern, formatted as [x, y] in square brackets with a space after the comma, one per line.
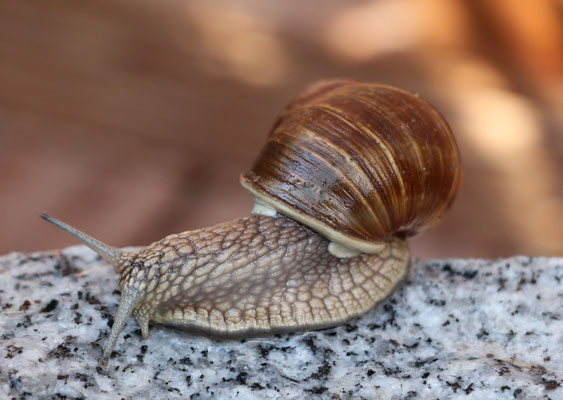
[378, 171]
[361, 177]
[395, 174]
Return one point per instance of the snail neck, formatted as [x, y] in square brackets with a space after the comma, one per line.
[261, 208]
[337, 249]
[342, 251]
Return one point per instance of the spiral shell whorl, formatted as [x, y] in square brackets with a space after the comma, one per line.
[358, 162]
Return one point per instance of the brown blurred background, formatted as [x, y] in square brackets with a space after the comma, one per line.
[134, 119]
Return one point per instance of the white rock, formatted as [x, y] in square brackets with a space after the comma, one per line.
[457, 328]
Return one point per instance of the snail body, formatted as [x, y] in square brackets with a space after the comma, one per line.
[348, 172]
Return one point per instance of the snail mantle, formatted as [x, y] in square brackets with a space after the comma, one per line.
[487, 329]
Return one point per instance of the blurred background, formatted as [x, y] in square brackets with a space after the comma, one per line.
[133, 119]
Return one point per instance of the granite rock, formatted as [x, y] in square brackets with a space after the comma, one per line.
[472, 329]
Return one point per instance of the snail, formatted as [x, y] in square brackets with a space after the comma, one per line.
[348, 172]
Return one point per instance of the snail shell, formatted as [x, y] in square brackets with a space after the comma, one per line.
[348, 171]
[358, 162]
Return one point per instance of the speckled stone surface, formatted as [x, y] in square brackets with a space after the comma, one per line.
[471, 329]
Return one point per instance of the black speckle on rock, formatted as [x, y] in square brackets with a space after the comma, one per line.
[264, 350]
[351, 328]
[550, 315]
[189, 380]
[26, 323]
[470, 274]
[322, 372]
[12, 351]
[389, 308]
[84, 378]
[391, 371]
[257, 386]
[241, 378]
[61, 351]
[482, 332]
[501, 284]
[90, 299]
[420, 363]
[317, 390]
[517, 393]
[465, 274]
[310, 342]
[551, 384]
[25, 305]
[108, 317]
[370, 372]
[454, 385]
[438, 303]
[411, 346]
[64, 267]
[186, 361]
[15, 382]
[142, 352]
[51, 306]
[469, 388]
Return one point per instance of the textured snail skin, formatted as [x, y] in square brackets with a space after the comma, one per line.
[254, 275]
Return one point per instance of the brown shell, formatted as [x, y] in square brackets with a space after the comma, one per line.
[358, 162]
